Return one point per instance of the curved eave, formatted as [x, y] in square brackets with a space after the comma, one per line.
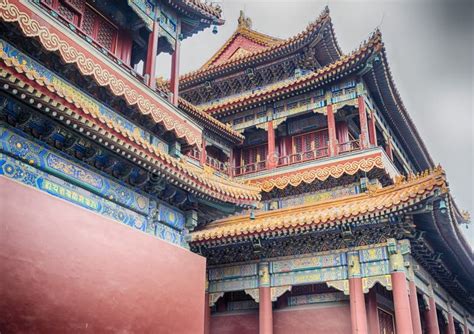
[176, 171]
[271, 53]
[325, 214]
[334, 71]
[202, 117]
[247, 33]
[386, 95]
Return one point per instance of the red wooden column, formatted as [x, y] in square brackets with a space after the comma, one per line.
[450, 328]
[372, 130]
[431, 317]
[174, 81]
[207, 314]
[356, 296]
[271, 157]
[150, 63]
[203, 156]
[364, 130]
[401, 300]
[372, 312]
[265, 312]
[331, 131]
[388, 147]
[414, 309]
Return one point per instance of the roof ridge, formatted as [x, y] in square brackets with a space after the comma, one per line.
[243, 29]
[374, 38]
[323, 16]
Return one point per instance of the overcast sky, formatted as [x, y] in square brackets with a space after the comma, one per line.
[430, 51]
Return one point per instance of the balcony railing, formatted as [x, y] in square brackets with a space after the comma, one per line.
[218, 165]
[349, 146]
[295, 158]
[303, 156]
[250, 168]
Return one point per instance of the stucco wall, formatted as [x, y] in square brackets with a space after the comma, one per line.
[65, 269]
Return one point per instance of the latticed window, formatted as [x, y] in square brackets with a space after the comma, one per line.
[86, 18]
[312, 141]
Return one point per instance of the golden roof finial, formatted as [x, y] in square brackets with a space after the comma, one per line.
[244, 22]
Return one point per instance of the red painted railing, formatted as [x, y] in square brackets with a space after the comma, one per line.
[303, 156]
[217, 164]
[250, 168]
[353, 145]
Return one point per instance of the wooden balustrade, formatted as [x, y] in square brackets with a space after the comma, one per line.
[303, 156]
[352, 145]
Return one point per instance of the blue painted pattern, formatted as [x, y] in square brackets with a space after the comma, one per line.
[31, 176]
[67, 89]
[170, 217]
[14, 143]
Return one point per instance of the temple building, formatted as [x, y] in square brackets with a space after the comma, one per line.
[282, 187]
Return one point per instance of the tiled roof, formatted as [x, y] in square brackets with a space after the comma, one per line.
[206, 118]
[243, 33]
[373, 45]
[328, 213]
[276, 48]
[214, 186]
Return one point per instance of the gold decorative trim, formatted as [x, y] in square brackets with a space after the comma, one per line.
[214, 297]
[279, 291]
[254, 293]
[327, 213]
[369, 282]
[52, 42]
[341, 285]
[320, 173]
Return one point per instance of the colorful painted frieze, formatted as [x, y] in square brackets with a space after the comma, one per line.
[321, 261]
[309, 276]
[317, 298]
[237, 284]
[29, 175]
[88, 103]
[170, 217]
[230, 272]
[13, 142]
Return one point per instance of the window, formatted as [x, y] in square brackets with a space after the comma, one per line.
[87, 19]
[310, 145]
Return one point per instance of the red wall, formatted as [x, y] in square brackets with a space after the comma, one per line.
[313, 319]
[65, 269]
[332, 319]
[232, 323]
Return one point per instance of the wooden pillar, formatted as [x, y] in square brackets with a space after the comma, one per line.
[333, 147]
[431, 317]
[465, 325]
[401, 301]
[203, 156]
[207, 314]
[372, 312]
[152, 49]
[372, 130]
[414, 309]
[265, 312]
[356, 296]
[174, 81]
[450, 326]
[388, 147]
[271, 156]
[364, 130]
